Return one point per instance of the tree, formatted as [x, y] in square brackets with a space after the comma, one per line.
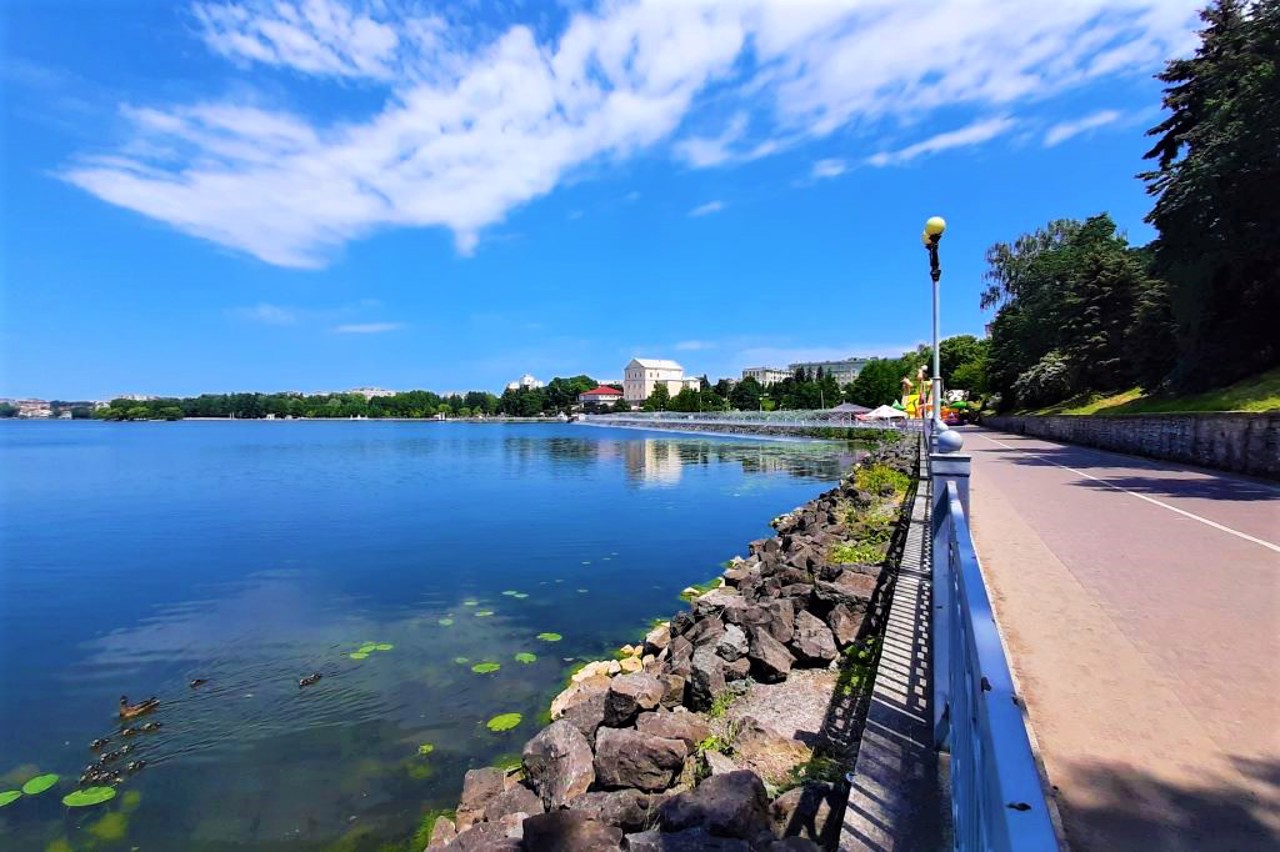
[659, 399]
[138, 412]
[746, 395]
[878, 383]
[1215, 181]
[169, 412]
[687, 400]
[8, 410]
[724, 387]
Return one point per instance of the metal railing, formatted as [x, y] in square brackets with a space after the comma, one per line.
[784, 419]
[997, 800]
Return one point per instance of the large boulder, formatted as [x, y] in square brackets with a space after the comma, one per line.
[679, 657]
[776, 616]
[657, 639]
[630, 810]
[569, 831]
[731, 805]
[630, 758]
[587, 714]
[844, 624]
[707, 631]
[812, 811]
[690, 840]
[484, 837]
[577, 693]
[851, 589]
[732, 644]
[770, 659]
[675, 725]
[812, 641]
[673, 690]
[772, 754]
[738, 669]
[630, 694]
[517, 800]
[443, 831]
[718, 601]
[478, 787]
[706, 678]
[558, 764]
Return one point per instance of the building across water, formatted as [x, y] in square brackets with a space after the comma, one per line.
[644, 374]
[844, 371]
[766, 375]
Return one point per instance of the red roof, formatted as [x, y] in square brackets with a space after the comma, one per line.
[603, 390]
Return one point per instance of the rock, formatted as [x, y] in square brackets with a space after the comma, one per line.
[630, 810]
[478, 787]
[630, 694]
[558, 763]
[681, 623]
[737, 670]
[771, 754]
[719, 763]
[776, 616]
[681, 655]
[770, 659]
[735, 577]
[649, 663]
[731, 805]
[718, 601]
[678, 725]
[632, 650]
[733, 644]
[587, 715]
[443, 832]
[577, 693]
[692, 840]
[658, 638]
[629, 758]
[673, 690]
[808, 811]
[850, 588]
[812, 641]
[519, 799]
[794, 844]
[706, 678]
[707, 631]
[569, 831]
[485, 837]
[630, 665]
[595, 669]
[844, 624]
[513, 825]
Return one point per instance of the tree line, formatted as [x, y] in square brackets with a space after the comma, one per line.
[1080, 311]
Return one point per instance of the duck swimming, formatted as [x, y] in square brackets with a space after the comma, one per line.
[150, 726]
[99, 745]
[130, 711]
[136, 766]
[310, 680]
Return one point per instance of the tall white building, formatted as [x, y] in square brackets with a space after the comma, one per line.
[765, 375]
[844, 371]
[642, 375]
[525, 381]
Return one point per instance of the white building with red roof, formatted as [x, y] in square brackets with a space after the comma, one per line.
[603, 395]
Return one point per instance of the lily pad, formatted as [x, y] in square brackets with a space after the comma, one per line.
[583, 591]
[520, 596]
[471, 603]
[462, 661]
[383, 646]
[367, 648]
[425, 749]
[504, 722]
[445, 622]
[511, 593]
[526, 657]
[485, 668]
[89, 796]
[8, 797]
[550, 637]
[484, 613]
[359, 655]
[39, 784]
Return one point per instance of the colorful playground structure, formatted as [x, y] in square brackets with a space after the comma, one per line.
[917, 400]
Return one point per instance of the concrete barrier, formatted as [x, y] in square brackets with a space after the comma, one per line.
[1237, 442]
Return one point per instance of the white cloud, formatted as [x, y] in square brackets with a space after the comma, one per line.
[369, 327]
[1063, 131]
[709, 207]
[694, 345]
[631, 197]
[455, 125]
[974, 134]
[268, 314]
[824, 169]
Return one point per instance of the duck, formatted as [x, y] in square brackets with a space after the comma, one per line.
[110, 756]
[150, 726]
[130, 711]
[310, 680]
[136, 766]
[99, 745]
[198, 682]
[130, 731]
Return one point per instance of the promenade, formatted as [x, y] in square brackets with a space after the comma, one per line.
[1140, 605]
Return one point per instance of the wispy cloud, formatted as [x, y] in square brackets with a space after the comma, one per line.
[694, 345]
[1063, 131]
[454, 125]
[824, 169]
[709, 207]
[974, 134]
[369, 327]
[631, 197]
[267, 314]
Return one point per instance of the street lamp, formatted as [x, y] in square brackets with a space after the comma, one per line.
[933, 230]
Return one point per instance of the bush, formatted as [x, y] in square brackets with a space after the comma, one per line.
[1052, 379]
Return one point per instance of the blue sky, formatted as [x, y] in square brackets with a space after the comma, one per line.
[322, 194]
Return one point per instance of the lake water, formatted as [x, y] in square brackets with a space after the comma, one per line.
[135, 557]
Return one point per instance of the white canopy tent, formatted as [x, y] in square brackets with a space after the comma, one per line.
[884, 412]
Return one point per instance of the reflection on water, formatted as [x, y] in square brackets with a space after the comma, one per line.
[136, 557]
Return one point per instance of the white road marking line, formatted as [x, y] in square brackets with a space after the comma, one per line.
[1162, 505]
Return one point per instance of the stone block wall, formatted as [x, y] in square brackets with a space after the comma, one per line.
[1235, 442]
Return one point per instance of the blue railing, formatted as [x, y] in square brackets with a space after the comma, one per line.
[997, 800]
[784, 419]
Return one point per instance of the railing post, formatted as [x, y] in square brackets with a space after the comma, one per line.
[944, 468]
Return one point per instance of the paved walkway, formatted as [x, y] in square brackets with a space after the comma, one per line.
[1140, 605]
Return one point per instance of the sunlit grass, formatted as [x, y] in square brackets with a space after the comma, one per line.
[1257, 393]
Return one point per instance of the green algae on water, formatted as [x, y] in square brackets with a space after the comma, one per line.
[39, 784]
[504, 722]
[111, 828]
[426, 749]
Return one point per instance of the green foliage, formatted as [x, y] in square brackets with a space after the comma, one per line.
[881, 479]
[701, 588]
[504, 722]
[721, 704]
[860, 553]
[39, 784]
[1049, 380]
[110, 828]
[817, 768]
[422, 837]
[878, 383]
[659, 399]
[89, 796]
[714, 743]
[746, 395]
[426, 749]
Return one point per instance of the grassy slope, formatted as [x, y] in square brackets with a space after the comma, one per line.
[1258, 393]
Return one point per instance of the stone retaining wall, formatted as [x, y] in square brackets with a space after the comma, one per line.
[1236, 442]
[630, 761]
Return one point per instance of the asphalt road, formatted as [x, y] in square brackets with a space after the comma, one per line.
[1140, 605]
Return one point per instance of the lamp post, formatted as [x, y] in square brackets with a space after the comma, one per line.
[933, 230]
